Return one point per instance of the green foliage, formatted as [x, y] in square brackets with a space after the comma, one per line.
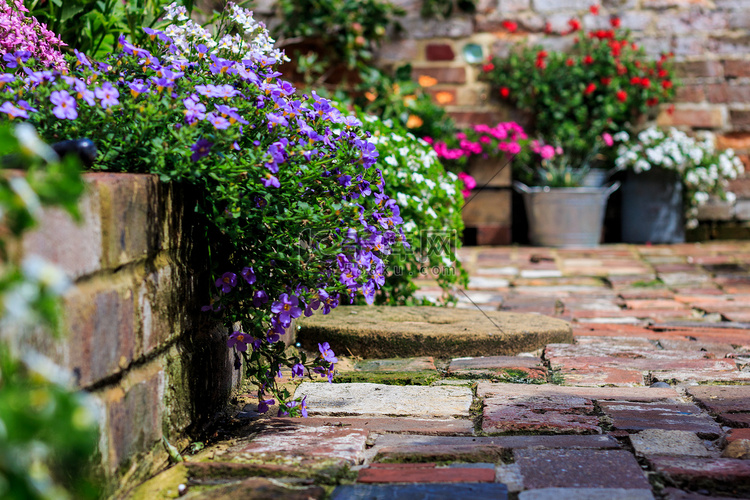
[445, 8]
[430, 203]
[48, 433]
[93, 26]
[604, 85]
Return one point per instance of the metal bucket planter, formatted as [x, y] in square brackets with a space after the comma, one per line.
[565, 217]
[652, 208]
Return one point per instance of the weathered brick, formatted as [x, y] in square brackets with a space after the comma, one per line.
[725, 473]
[488, 207]
[512, 5]
[740, 119]
[75, 248]
[442, 74]
[728, 93]
[403, 473]
[493, 235]
[716, 210]
[454, 27]
[664, 4]
[397, 51]
[737, 68]
[101, 319]
[439, 52]
[699, 69]
[738, 141]
[554, 5]
[690, 93]
[703, 117]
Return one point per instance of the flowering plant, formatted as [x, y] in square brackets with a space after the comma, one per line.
[505, 138]
[287, 178]
[22, 38]
[603, 85]
[430, 203]
[704, 171]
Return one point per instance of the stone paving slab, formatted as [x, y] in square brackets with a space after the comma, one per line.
[586, 494]
[580, 469]
[420, 492]
[637, 416]
[725, 473]
[395, 425]
[386, 400]
[517, 392]
[600, 376]
[498, 366]
[418, 364]
[666, 442]
[383, 332]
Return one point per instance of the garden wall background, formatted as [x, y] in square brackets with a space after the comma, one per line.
[710, 41]
[136, 337]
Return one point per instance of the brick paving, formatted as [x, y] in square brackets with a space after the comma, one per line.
[651, 401]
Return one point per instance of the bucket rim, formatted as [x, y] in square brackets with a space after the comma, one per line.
[523, 188]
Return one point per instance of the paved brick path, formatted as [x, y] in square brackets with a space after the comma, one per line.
[649, 402]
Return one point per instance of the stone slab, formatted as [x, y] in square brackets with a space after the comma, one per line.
[498, 366]
[524, 392]
[664, 442]
[632, 416]
[580, 469]
[302, 443]
[602, 376]
[401, 473]
[419, 491]
[586, 494]
[386, 400]
[423, 363]
[382, 332]
[393, 425]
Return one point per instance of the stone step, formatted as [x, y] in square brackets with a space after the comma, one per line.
[383, 332]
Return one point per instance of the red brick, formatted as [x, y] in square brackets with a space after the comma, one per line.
[724, 472]
[699, 69]
[728, 93]
[389, 425]
[601, 376]
[468, 118]
[741, 187]
[740, 119]
[425, 475]
[630, 416]
[736, 68]
[690, 93]
[442, 75]
[718, 399]
[736, 434]
[439, 52]
[493, 235]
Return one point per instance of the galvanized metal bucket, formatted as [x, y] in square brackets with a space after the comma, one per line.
[652, 209]
[597, 177]
[565, 217]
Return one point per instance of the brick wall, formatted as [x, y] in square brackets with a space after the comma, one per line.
[136, 337]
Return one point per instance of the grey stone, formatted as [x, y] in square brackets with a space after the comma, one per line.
[657, 385]
[439, 491]
[509, 475]
[665, 442]
[586, 494]
[383, 332]
[386, 400]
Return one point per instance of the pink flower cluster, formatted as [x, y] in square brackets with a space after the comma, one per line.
[469, 183]
[545, 150]
[19, 33]
[483, 140]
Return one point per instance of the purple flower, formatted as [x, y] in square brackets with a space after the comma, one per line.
[298, 370]
[12, 111]
[194, 110]
[107, 95]
[227, 282]
[16, 59]
[219, 122]
[239, 341]
[248, 274]
[326, 353]
[200, 149]
[286, 308]
[137, 88]
[82, 59]
[293, 404]
[84, 93]
[26, 106]
[265, 404]
[65, 105]
[270, 181]
[259, 298]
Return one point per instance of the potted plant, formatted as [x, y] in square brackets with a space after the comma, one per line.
[483, 154]
[669, 175]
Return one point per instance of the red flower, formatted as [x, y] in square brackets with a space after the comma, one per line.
[569, 62]
[663, 73]
[548, 28]
[646, 83]
[589, 89]
[670, 110]
[606, 80]
[621, 95]
[635, 81]
[574, 24]
[594, 9]
[488, 67]
[651, 102]
[510, 26]
[588, 59]
[540, 63]
[621, 70]
[667, 84]
[541, 54]
[615, 22]
[504, 92]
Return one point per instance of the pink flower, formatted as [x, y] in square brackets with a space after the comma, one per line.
[469, 182]
[547, 152]
[607, 138]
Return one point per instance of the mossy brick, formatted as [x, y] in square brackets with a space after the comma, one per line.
[132, 215]
[100, 316]
[75, 248]
[382, 332]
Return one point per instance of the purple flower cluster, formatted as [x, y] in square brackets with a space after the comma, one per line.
[22, 37]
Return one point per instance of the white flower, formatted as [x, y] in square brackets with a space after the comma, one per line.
[621, 136]
[417, 177]
[431, 213]
[430, 184]
[402, 199]
[390, 160]
[27, 195]
[45, 273]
